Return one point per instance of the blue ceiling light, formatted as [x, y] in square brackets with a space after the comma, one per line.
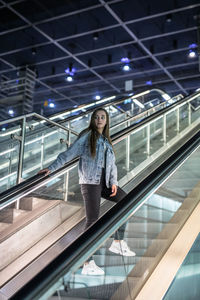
[127, 101]
[148, 82]
[70, 71]
[192, 53]
[125, 60]
[192, 46]
[97, 97]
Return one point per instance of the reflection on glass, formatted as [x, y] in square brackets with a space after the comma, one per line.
[148, 232]
[186, 283]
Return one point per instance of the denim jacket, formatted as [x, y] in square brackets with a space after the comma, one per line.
[90, 169]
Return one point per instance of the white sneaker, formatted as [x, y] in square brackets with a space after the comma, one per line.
[92, 269]
[121, 248]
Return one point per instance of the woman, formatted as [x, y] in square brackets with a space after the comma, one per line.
[97, 176]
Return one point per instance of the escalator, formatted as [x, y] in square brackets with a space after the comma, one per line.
[156, 212]
[31, 142]
[47, 223]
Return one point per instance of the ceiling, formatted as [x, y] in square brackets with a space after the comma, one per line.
[89, 38]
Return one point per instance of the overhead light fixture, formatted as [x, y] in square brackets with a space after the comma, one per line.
[34, 51]
[11, 112]
[52, 105]
[69, 78]
[149, 82]
[193, 46]
[70, 70]
[97, 97]
[126, 68]
[192, 53]
[125, 60]
[95, 36]
[168, 18]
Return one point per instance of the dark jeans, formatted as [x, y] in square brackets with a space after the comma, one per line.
[92, 194]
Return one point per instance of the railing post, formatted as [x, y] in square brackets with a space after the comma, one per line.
[164, 129]
[66, 176]
[128, 150]
[21, 151]
[42, 152]
[21, 155]
[177, 120]
[189, 113]
[148, 140]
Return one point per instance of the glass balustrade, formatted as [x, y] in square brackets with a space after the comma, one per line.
[9, 155]
[134, 152]
[186, 282]
[22, 157]
[150, 228]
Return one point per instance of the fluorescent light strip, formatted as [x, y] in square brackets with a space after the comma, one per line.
[106, 99]
[141, 94]
[138, 103]
[60, 116]
[7, 151]
[10, 132]
[166, 96]
[7, 176]
[40, 138]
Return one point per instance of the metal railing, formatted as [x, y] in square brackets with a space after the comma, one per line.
[151, 138]
[19, 134]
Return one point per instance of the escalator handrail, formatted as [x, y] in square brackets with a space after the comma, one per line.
[73, 253]
[19, 189]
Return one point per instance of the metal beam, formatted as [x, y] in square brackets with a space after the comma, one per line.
[122, 76]
[59, 46]
[135, 38]
[157, 15]
[44, 84]
[136, 86]
[99, 49]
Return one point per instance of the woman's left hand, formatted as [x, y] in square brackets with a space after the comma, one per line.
[114, 190]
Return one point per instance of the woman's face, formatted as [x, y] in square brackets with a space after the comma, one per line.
[100, 120]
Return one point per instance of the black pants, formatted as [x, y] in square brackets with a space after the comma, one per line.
[92, 194]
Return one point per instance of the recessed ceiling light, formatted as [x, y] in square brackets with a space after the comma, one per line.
[126, 67]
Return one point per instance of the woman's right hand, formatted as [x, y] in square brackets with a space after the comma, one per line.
[44, 171]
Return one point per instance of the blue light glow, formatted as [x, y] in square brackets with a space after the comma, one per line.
[70, 71]
[192, 46]
[125, 60]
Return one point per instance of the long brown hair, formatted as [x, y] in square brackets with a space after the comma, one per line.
[94, 132]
